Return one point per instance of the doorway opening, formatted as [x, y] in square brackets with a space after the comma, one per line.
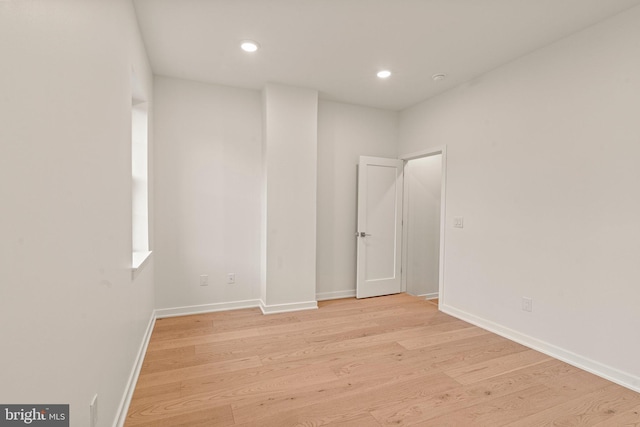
[400, 224]
[423, 224]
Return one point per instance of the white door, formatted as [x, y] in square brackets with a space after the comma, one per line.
[379, 231]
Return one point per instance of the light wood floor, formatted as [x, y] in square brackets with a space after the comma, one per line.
[392, 360]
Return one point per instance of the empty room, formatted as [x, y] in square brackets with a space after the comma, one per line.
[319, 212]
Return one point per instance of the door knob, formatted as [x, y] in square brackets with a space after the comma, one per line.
[363, 234]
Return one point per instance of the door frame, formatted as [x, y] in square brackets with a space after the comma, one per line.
[405, 202]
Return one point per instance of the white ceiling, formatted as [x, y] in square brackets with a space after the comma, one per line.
[337, 46]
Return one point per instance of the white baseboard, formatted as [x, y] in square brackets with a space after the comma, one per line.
[324, 296]
[123, 408]
[206, 308]
[432, 295]
[284, 308]
[624, 379]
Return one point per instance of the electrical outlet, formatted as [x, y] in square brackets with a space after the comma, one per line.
[231, 278]
[93, 411]
[204, 280]
[527, 304]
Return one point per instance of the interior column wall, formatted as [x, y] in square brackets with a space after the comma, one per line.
[290, 170]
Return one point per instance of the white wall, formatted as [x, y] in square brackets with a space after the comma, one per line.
[208, 152]
[422, 178]
[71, 316]
[290, 162]
[344, 133]
[542, 163]
[208, 177]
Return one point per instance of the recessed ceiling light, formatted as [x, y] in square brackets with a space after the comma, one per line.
[384, 74]
[438, 77]
[249, 46]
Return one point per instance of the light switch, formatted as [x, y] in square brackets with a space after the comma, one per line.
[458, 222]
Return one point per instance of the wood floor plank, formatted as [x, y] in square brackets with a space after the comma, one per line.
[465, 351]
[501, 403]
[496, 366]
[335, 318]
[179, 362]
[576, 383]
[171, 334]
[213, 337]
[629, 418]
[431, 338]
[494, 412]
[181, 322]
[447, 404]
[355, 377]
[247, 313]
[380, 328]
[161, 392]
[165, 377]
[366, 420]
[211, 416]
[586, 410]
[342, 401]
[187, 403]
[265, 342]
[237, 381]
[257, 322]
[512, 407]
[392, 360]
[177, 352]
[418, 318]
[361, 342]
